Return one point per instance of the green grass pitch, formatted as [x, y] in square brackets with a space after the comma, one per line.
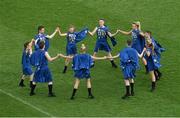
[18, 23]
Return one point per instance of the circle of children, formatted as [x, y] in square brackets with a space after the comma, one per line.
[142, 46]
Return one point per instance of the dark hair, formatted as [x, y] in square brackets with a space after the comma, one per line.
[102, 19]
[26, 44]
[41, 44]
[40, 27]
[129, 42]
[149, 32]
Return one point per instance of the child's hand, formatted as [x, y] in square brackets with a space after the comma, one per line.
[57, 29]
[108, 57]
[60, 55]
[105, 57]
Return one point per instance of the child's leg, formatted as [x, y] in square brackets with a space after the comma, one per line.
[66, 65]
[145, 64]
[112, 61]
[89, 88]
[132, 86]
[21, 83]
[50, 87]
[67, 61]
[153, 79]
[158, 73]
[76, 85]
[33, 88]
[127, 84]
[31, 79]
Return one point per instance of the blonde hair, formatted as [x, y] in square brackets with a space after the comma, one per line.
[138, 24]
[83, 47]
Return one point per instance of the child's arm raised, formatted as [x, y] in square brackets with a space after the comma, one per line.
[111, 35]
[62, 34]
[93, 32]
[49, 58]
[53, 34]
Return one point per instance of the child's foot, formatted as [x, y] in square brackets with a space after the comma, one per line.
[72, 98]
[152, 89]
[132, 93]
[21, 85]
[125, 96]
[64, 72]
[51, 95]
[31, 94]
[91, 97]
[114, 65]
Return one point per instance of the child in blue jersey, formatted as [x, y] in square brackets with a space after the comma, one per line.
[138, 41]
[152, 62]
[129, 64]
[103, 33]
[42, 72]
[72, 38]
[158, 50]
[26, 64]
[41, 36]
[81, 65]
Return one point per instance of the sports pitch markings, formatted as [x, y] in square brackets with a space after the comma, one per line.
[26, 103]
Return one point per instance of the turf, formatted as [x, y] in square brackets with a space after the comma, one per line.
[18, 23]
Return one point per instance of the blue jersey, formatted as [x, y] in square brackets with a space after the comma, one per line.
[153, 61]
[129, 62]
[82, 61]
[71, 38]
[39, 58]
[75, 37]
[102, 33]
[41, 37]
[26, 63]
[26, 59]
[138, 42]
[157, 48]
[42, 72]
[129, 55]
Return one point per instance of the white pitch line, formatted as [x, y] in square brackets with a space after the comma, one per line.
[26, 103]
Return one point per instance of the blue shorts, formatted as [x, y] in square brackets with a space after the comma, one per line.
[129, 71]
[27, 71]
[71, 49]
[102, 45]
[82, 74]
[42, 75]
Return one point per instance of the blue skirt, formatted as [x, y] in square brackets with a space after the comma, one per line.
[71, 49]
[129, 71]
[82, 74]
[42, 75]
[27, 71]
[102, 45]
[151, 65]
